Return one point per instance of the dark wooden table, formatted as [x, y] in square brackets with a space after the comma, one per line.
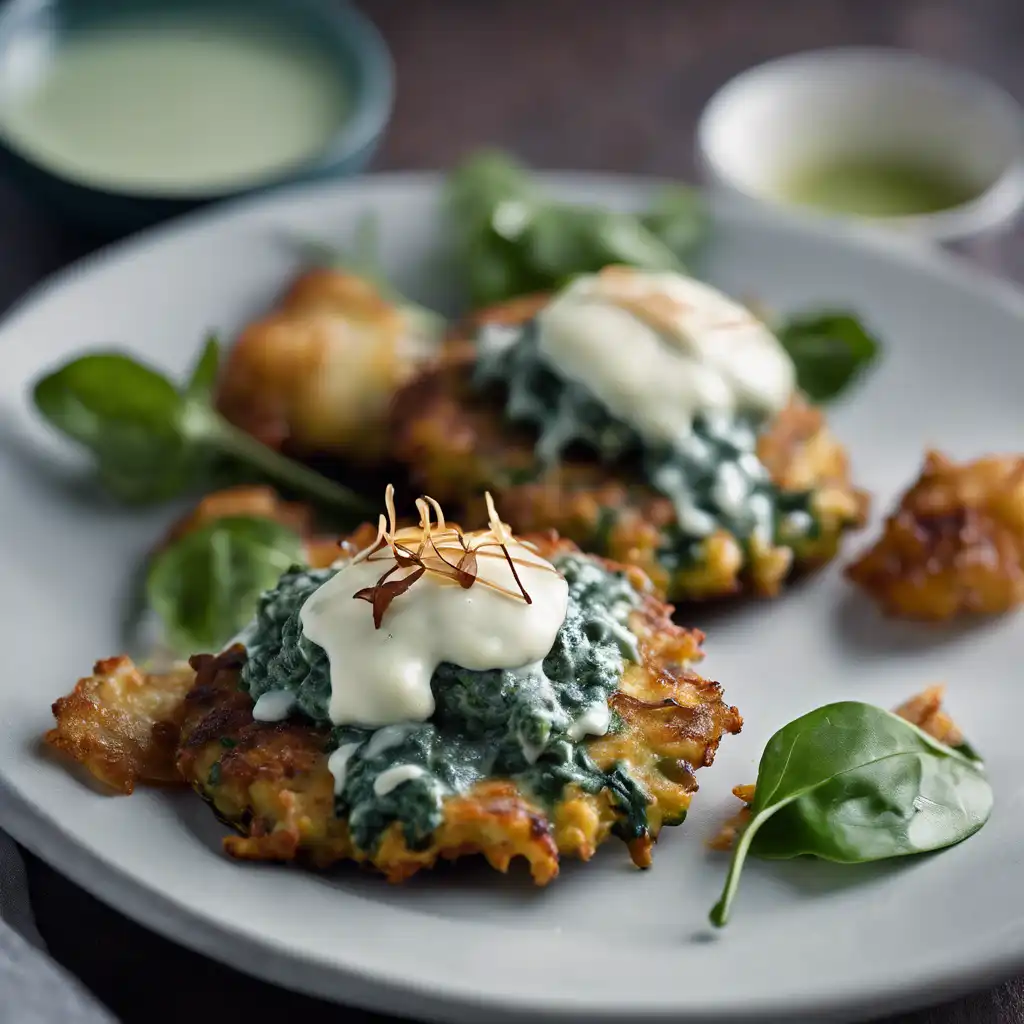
[602, 84]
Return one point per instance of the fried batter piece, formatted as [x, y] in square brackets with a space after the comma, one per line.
[924, 710]
[954, 545]
[271, 782]
[123, 724]
[457, 444]
[261, 502]
[316, 374]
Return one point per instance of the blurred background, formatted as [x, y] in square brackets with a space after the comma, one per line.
[582, 84]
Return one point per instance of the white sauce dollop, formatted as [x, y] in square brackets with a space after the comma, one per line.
[382, 676]
[658, 349]
[337, 764]
[273, 706]
[595, 721]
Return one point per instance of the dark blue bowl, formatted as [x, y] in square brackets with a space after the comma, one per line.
[40, 28]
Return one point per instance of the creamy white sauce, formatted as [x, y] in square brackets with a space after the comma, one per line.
[392, 778]
[593, 722]
[384, 739]
[730, 489]
[382, 676]
[658, 349]
[273, 706]
[337, 764]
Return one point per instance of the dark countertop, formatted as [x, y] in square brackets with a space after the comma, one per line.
[565, 83]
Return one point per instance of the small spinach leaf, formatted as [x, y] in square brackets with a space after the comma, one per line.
[204, 587]
[512, 239]
[850, 782]
[127, 415]
[830, 351]
[203, 378]
[152, 442]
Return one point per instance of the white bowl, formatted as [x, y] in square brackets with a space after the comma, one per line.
[775, 119]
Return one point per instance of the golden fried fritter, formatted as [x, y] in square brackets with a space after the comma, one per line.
[271, 782]
[457, 443]
[954, 545]
[317, 373]
[262, 502]
[123, 724]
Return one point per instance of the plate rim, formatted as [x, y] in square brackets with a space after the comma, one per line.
[260, 956]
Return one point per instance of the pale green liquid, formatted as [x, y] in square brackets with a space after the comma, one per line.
[178, 107]
[877, 189]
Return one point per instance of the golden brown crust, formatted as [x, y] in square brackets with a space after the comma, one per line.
[954, 545]
[457, 444]
[316, 374]
[123, 724]
[273, 785]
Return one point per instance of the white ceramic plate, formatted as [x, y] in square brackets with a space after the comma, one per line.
[604, 942]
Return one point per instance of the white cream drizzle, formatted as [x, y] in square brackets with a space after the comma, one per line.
[273, 706]
[658, 349]
[594, 721]
[337, 764]
[382, 676]
[392, 778]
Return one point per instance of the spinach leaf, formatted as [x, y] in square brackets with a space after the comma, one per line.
[205, 586]
[850, 782]
[830, 350]
[511, 239]
[152, 442]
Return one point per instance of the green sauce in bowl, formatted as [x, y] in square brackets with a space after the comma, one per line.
[878, 188]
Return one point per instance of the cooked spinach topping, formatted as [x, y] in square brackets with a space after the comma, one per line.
[522, 724]
[713, 477]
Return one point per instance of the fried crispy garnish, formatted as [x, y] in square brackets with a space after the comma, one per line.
[271, 782]
[457, 443]
[318, 372]
[262, 502]
[924, 710]
[123, 724]
[954, 545]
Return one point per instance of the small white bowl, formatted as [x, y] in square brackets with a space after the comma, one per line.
[778, 118]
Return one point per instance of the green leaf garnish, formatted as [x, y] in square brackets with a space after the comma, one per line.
[152, 442]
[852, 783]
[830, 351]
[204, 587]
[511, 239]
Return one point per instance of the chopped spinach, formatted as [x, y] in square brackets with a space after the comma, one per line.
[713, 477]
[513, 724]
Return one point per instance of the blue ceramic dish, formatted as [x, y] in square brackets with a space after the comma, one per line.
[38, 30]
